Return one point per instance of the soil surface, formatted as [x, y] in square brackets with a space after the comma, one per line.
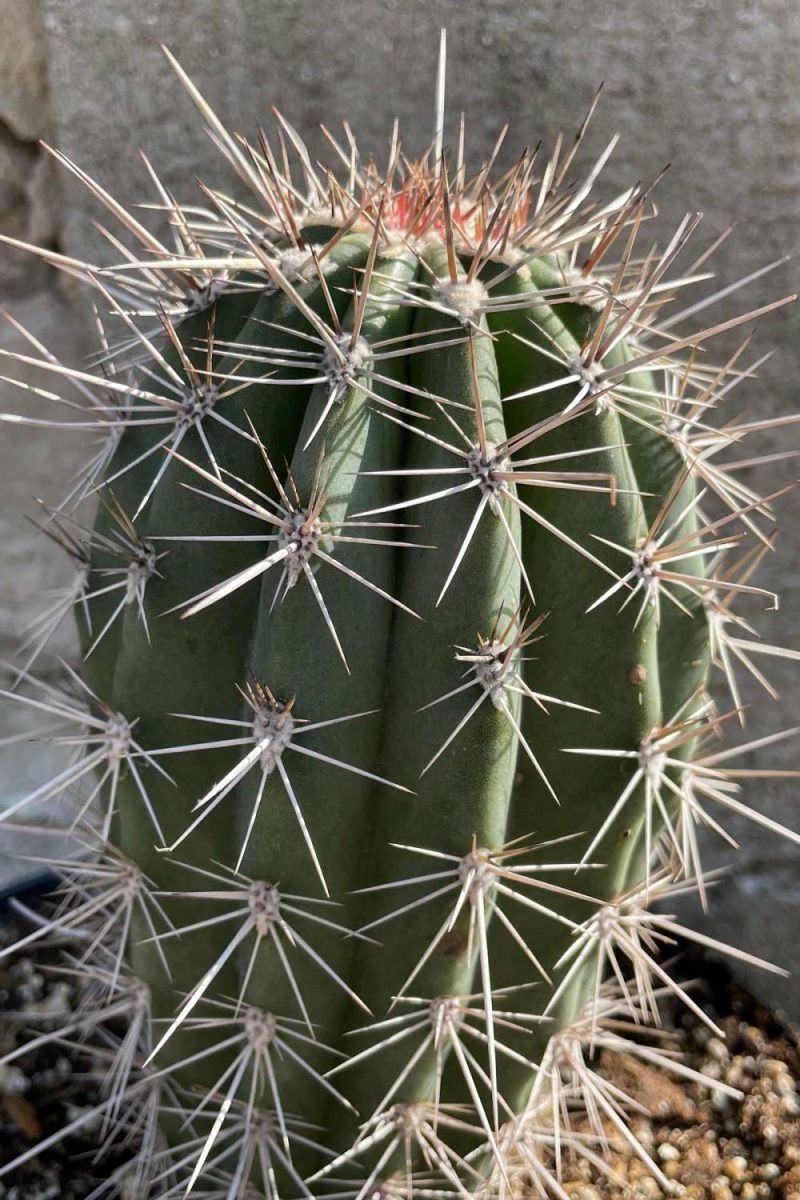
[711, 1145]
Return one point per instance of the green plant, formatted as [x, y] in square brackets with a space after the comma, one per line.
[415, 546]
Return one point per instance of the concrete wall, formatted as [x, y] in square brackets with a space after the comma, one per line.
[705, 85]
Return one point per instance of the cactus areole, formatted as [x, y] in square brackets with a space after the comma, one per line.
[410, 565]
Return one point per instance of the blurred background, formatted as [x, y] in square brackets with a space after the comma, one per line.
[706, 86]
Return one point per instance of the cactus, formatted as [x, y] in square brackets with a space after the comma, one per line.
[415, 547]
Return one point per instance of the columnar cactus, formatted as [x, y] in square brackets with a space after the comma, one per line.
[414, 548]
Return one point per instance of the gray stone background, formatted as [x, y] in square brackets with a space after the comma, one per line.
[709, 86]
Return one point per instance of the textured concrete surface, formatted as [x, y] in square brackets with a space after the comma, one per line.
[31, 467]
[705, 85]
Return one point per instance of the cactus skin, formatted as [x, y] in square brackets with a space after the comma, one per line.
[390, 427]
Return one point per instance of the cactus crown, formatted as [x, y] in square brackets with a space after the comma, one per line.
[415, 545]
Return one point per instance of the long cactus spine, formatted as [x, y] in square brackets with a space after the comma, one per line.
[396, 618]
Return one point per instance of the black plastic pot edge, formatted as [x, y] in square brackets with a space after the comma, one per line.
[34, 888]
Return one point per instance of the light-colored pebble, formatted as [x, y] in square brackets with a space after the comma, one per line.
[736, 1168]
[717, 1049]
